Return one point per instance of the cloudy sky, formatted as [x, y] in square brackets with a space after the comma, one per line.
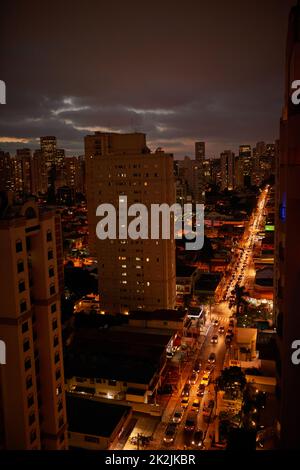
[179, 71]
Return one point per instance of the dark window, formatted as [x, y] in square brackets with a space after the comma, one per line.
[21, 286]
[23, 306]
[56, 357]
[61, 438]
[55, 341]
[31, 419]
[27, 363]
[20, 267]
[60, 405]
[52, 290]
[51, 272]
[50, 254]
[49, 236]
[30, 401]
[26, 345]
[57, 374]
[28, 382]
[58, 389]
[25, 327]
[19, 246]
[32, 436]
[61, 422]
[54, 324]
[53, 308]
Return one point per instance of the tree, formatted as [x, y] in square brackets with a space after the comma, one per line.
[240, 294]
[231, 377]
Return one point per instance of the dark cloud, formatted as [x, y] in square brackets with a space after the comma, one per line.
[179, 71]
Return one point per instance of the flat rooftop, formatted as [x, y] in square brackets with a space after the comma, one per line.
[88, 416]
[160, 314]
[129, 356]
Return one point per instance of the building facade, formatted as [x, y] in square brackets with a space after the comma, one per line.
[132, 273]
[32, 410]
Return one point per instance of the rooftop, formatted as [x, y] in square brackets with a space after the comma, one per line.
[88, 416]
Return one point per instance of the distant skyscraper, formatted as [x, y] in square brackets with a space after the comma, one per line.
[132, 273]
[227, 170]
[24, 155]
[246, 163]
[199, 171]
[32, 406]
[39, 173]
[48, 149]
[5, 171]
[287, 304]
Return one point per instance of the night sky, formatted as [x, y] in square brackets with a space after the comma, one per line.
[178, 70]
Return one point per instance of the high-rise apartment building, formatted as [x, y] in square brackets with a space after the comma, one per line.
[227, 170]
[246, 164]
[6, 179]
[132, 273]
[32, 406]
[24, 155]
[39, 173]
[199, 192]
[287, 272]
[48, 149]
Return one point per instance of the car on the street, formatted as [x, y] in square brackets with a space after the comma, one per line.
[214, 339]
[197, 367]
[229, 331]
[196, 404]
[216, 322]
[193, 378]
[211, 358]
[197, 439]
[185, 402]
[170, 432]
[205, 380]
[178, 415]
[221, 330]
[228, 339]
[231, 323]
[186, 390]
[190, 422]
[201, 390]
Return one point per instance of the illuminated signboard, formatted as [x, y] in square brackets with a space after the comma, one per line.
[269, 228]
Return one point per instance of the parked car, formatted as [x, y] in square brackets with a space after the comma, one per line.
[228, 339]
[231, 323]
[197, 439]
[207, 410]
[211, 358]
[221, 330]
[170, 433]
[178, 415]
[216, 322]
